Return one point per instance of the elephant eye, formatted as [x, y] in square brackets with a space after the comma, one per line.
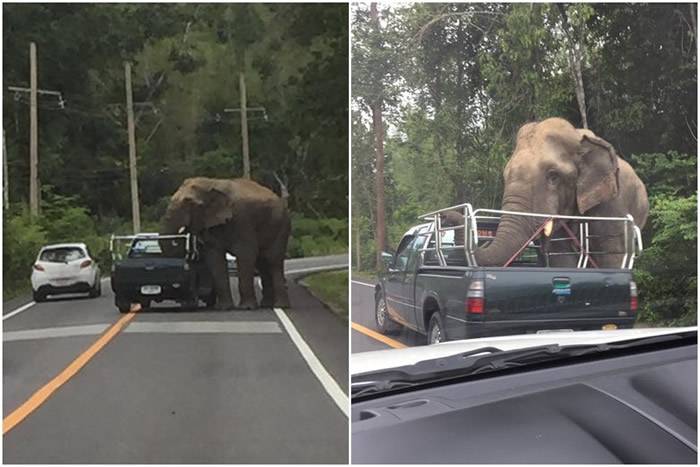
[553, 177]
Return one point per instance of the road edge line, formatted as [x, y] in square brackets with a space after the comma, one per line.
[329, 267]
[317, 368]
[40, 396]
[362, 283]
[377, 336]
[19, 310]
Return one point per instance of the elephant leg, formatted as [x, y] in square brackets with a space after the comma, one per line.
[215, 260]
[279, 284]
[268, 295]
[246, 286]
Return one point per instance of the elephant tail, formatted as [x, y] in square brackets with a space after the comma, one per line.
[284, 193]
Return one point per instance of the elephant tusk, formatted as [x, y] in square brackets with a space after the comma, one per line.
[548, 226]
[182, 229]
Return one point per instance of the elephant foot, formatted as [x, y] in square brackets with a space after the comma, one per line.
[282, 303]
[223, 306]
[248, 305]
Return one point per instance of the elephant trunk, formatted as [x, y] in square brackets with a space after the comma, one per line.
[512, 233]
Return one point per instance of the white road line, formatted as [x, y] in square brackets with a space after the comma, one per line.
[204, 327]
[18, 310]
[326, 380]
[362, 283]
[318, 268]
[48, 333]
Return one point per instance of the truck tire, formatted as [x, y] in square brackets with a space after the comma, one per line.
[436, 329]
[123, 305]
[210, 300]
[381, 317]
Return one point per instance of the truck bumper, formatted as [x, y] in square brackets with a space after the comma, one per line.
[503, 328]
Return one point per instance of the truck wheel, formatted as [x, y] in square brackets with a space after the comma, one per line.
[124, 306]
[381, 317]
[436, 330]
[210, 300]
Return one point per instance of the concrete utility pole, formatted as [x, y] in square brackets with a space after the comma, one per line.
[244, 109]
[135, 214]
[33, 135]
[244, 128]
[5, 180]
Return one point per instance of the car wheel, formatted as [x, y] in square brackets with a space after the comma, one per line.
[381, 317]
[38, 296]
[436, 330]
[96, 290]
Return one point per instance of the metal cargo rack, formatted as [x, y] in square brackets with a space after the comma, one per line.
[580, 240]
[116, 255]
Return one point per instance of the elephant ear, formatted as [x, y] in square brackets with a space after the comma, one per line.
[218, 208]
[598, 172]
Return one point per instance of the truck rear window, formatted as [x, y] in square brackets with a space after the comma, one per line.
[174, 248]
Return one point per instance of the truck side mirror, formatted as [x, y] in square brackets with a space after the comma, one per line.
[387, 260]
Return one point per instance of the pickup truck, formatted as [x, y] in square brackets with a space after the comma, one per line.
[157, 268]
[434, 287]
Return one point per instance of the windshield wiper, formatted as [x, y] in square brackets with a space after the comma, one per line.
[473, 362]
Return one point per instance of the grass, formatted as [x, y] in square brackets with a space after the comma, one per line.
[366, 276]
[332, 289]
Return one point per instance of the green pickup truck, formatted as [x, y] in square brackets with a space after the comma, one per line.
[433, 286]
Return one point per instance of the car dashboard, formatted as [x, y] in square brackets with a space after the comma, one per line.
[639, 408]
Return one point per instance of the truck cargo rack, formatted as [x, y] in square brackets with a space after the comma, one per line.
[580, 240]
[190, 247]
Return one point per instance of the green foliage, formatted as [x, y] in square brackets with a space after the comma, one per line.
[332, 289]
[315, 237]
[21, 243]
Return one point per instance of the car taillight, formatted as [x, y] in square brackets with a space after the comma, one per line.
[475, 298]
[86, 263]
[634, 303]
[39, 267]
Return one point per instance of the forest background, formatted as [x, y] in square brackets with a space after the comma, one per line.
[439, 91]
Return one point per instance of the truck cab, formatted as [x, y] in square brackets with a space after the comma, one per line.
[154, 268]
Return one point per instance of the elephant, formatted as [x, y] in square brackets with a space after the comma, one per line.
[556, 168]
[240, 217]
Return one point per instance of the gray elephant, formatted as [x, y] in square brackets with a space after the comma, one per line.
[558, 169]
[243, 218]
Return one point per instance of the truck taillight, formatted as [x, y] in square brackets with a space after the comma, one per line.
[634, 303]
[475, 298]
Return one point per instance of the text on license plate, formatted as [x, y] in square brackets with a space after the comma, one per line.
[150, 289]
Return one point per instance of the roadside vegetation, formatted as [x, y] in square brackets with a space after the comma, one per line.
[450, 84]
[332, 289]
[186, 61]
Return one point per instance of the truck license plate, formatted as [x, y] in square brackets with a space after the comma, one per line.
[150, 289]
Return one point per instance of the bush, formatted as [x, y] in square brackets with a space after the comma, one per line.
[22, 240]
[315, 237]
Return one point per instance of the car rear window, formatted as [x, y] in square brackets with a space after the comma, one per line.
[62, 255]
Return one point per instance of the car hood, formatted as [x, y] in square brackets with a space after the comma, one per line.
[384, 359]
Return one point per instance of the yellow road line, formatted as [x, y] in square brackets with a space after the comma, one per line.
[375, 335]
[39, 397]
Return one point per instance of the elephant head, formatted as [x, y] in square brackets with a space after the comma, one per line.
[200, 203]
[554, 169]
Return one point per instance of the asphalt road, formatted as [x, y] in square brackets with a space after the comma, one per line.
[265, 386]
[365, 336]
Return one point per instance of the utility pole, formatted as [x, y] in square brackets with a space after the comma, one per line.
[244, 109]
[244, 127]
[135, 214]
[33, 135]
[5, 180]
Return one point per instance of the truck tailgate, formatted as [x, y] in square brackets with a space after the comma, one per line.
[555, 293]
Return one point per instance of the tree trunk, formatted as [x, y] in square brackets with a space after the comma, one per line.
[574, 48]
[378, 130]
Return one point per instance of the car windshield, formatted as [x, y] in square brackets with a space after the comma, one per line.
[166, 248]
[62, 255]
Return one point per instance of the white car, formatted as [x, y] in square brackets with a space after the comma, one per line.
[65, 268]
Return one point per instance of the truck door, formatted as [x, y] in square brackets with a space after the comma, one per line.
[409, 282]
[393, 285]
